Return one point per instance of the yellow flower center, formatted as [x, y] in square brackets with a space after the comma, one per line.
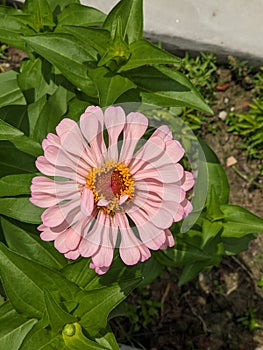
[109, 183]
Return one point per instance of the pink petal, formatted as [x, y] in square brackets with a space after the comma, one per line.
[151, 150]
[168, 173]
[60, 243]
[53, 216]
[150, 235]
[164, 132]
[134, 129]
[48, 235]
[92, 126]
[188, 181]
[132, 250]
[87, 202]
[169, 242]
[51, 139]
[92, 238]
[114, 121]
[179, 214]
[187, 205]
[65, 126]
[72, 255]
[174, 150]
[73, 236]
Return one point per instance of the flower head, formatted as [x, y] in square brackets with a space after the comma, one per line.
[108, 191]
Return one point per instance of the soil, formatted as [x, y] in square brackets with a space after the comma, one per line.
[223, 308]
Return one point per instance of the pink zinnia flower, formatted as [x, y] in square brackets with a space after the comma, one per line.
[106, 193]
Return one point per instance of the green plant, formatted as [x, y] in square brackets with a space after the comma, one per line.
[249, 320]
[78, 56]
[201, 71]
[249, 126]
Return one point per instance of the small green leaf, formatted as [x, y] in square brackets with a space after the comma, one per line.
[20, 209]
[234, 246]
[239, 222]
[67, 54]
[95, 306]
[40, 14]
[15, 185]
[31, 246]
[143, 52]
[110, 86]
[17, 137]
[58, 6]
[35, 79]
[131, 14]
[13, 161]
[13, 328]
[57, 316]
[97, 39]
[80, 15]
[216, 174]
[12, 30]
[51, 114]
[16, 115]
[10, 93]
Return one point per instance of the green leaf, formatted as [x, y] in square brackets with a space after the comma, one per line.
[34, 110]
[143, 52]
[69, 56]
[95, 306]
[239, 222]
[79, 273]
[20, 209]
[16, 115]
[31, 246]
[13, 328]
[35, 79]
[12, 30]
[25, 280]
[81, 16]
[13, 161]
[58, 6]
[110, 86]
[15, 185]
[216, 175]
[131, 15]
[51, 114]
[97, 39]
[234, 246]
[17, 137]
[43, 339]
[57, 316]
[75, 339]
[10, 93]
[40, 14]
[166, 87]
[108, 340]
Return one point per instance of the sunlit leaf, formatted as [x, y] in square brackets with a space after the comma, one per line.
[80, 16]
[131, 15]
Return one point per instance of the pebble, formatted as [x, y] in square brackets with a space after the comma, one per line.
[231, 161]
[222, 115]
